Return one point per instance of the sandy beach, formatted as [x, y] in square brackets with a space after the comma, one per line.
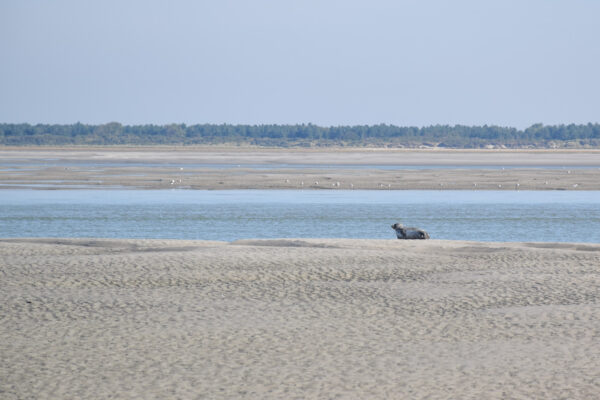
[151, 168]
[304, 318]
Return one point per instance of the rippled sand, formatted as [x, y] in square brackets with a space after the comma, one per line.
[318, 318]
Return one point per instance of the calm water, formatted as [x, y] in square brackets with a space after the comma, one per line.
[561, 216]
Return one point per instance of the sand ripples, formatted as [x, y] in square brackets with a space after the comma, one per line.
[317, 318]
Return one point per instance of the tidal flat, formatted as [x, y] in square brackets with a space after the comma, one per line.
[257, 168]
[298, 318]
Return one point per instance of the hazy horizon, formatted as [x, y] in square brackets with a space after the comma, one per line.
[333, 63]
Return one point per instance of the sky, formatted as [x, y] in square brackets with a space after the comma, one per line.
[326, 62]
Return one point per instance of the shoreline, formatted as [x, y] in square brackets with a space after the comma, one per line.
[139, 244]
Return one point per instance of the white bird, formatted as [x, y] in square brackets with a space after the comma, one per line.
[575, 185]
[351, 186]
[499, 186]
[316, 182]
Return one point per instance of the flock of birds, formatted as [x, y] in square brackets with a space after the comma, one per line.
[384, 185]
[389, 185]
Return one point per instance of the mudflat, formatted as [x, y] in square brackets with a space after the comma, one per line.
[298, 318]
[150, 168]
[341, 155]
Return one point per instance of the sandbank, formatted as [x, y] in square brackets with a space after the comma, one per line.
[298, 318]
[333, 156]
[152, 168]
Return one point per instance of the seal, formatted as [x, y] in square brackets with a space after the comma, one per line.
[403, 232]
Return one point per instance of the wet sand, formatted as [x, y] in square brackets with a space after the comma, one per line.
[54, 168]
[305, 318]
[333, 156]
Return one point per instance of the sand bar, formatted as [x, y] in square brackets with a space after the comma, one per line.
[305, 318]
[55, 168]
[340, 156]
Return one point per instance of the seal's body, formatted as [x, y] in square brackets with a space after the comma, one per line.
[403, 232]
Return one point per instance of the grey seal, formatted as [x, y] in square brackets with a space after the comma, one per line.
[403, 232]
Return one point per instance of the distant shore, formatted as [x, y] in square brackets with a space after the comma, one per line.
[326, 155]
[260, 168]
[298, 318]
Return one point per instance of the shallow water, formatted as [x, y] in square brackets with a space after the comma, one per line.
[542, 216]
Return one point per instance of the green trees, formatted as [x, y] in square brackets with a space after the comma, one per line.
[305, 135]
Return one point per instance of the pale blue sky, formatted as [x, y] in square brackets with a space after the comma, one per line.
[421, 62]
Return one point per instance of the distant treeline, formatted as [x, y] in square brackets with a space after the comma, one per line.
[304, 135]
